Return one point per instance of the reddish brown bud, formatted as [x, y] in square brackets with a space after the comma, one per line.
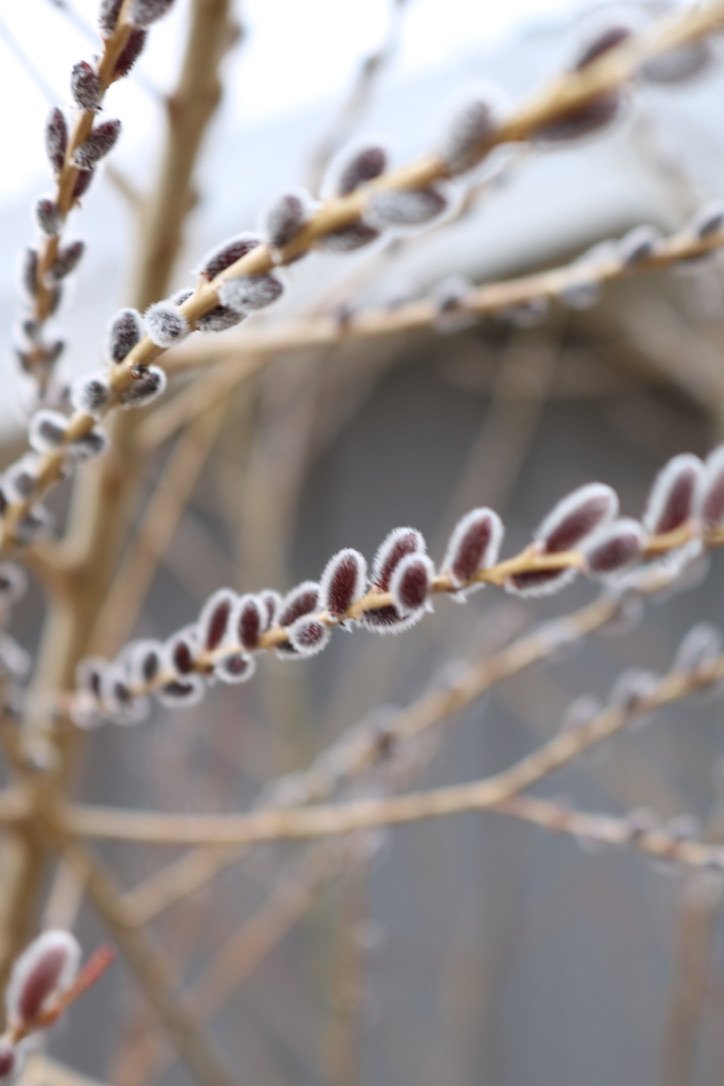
[226, 254]
[301, 600]
[614, 548]
[165, 324]
[249, 621]
[394, 547]
[215, 618]
[85, 86]
[40, 975]
[405, 207]
[250, 292]
[145, 12]
[56, 138]
[99, 143]
[236, 668]
[411, 581]
[130, 53]
[355, 167]
[67, 259]
[671, 500]
[308, 636]
[474, 545]
[343, 581]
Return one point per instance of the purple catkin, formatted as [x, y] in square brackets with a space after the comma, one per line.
[308, 636]
[91, 394]
[165, 324]
[47, 216]
[285, 217]
[598, 112]
[98, 144]
[108, 16]
[411, 582]
[47, 430]
[235, 668]
[183, 692]
[671, 500]
[67, 259]
[82, 183]
[468, 132]
[576, 517]
[215, 618]
[44, 970]
[348, 239]
[226, 254]
[343, 581]
[614, 548]
[85, 86]
[301, 600]
[353, 168]
[145, 12]
[146, 386]
[474, 545]
[406, 207]
[130, 53]
[56, 138]
[398, 543]
[126, 329]
[708, 220]
[219, 319]
[181, 654]
[249, 621]
[606, 40]
[638, 245]
[271, 602]
[250, 292]
[709, 505]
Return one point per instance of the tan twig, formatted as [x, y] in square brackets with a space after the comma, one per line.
[160, 520]
[190, 108]
[488, 793]
[67, 177]
[364, 84]
[566, 93]
[40, 1070]
[490, 298]
[240, 956]
[151, 972]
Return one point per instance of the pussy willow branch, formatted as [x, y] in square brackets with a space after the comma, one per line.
[660, 843]
[363, 748]
[526, 561]
[66, 179]
[567, 92]
[489, 793]
[326, 330]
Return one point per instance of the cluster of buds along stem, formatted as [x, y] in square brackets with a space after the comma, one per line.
[75, 142]
[582, 534]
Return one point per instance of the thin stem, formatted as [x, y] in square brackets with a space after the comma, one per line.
[325, 330]
[273, 824]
